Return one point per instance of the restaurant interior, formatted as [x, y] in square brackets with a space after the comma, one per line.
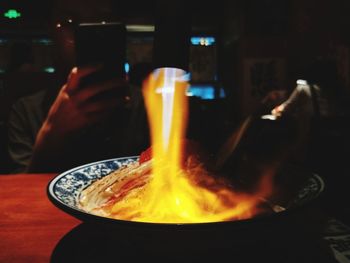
[245, 61]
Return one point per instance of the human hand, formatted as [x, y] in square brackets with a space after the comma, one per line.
[277, 111]
[85, 99]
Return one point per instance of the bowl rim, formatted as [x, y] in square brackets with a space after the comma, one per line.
[92, 218]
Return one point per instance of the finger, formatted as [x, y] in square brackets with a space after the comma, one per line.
[77, 74]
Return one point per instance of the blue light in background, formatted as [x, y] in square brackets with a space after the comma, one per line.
[222, 93]
[202, 41]
[127, 67]
[43, 41]
[205, 92]
[49, 69]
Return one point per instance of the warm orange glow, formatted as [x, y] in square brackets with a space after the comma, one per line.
[173, 195]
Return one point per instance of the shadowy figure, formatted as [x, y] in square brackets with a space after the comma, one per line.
[85, 117]
[319, 106]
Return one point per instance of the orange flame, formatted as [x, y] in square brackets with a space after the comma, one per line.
[173, 195]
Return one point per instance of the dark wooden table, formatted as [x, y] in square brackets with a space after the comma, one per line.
[30, 225]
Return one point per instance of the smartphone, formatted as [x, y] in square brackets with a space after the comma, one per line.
[101, 44]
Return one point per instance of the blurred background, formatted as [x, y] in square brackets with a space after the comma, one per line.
[239, 52]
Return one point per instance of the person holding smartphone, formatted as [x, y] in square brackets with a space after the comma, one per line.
[84, 118]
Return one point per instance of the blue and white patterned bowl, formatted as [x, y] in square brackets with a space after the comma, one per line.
[65, 189]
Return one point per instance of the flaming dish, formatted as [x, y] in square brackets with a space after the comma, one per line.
[123, 194]
[170, 184]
